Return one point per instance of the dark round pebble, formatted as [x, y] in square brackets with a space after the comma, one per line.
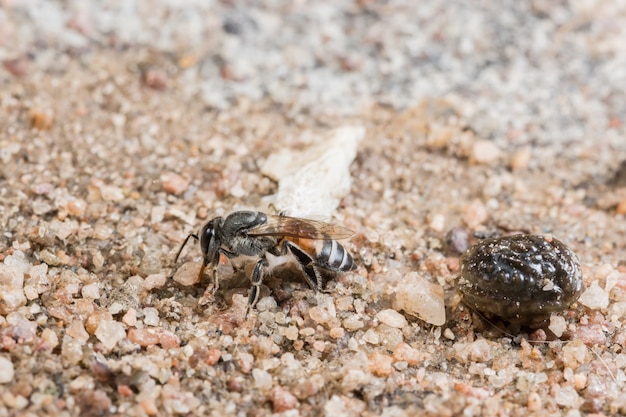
[457, 240]
[520, 278]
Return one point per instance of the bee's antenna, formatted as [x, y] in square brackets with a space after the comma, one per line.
[192, 235]
[280, 213]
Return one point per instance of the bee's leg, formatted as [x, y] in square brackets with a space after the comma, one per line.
[257, 280]
[215, 262]
[201, 273]
[216, 281]
[311, 272]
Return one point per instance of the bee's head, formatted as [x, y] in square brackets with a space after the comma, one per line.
[209, 238]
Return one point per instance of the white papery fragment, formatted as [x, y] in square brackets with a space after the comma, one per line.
[312, 181]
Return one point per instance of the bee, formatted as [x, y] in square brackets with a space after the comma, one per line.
[313, 244]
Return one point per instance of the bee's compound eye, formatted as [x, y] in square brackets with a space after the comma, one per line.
[207, 235]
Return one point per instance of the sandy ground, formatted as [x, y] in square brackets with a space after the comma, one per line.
[125, 126]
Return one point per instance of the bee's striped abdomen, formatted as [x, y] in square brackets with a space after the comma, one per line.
[334, 256]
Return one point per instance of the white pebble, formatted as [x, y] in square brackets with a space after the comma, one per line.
[72, 288]
[12, 285]
[6, 370]
[154, 281]
[116, 308]
[392, 318]
[237, 190]
[595, 297]
[109, 332]
[111, 193]
[476, 351]
[291, 332]
[71, 350]
[188, 273]
[521, 158]
[34, 309]
[354, 379]
[39, 281]
[501, 378]
[437, 222]
[484, 152]
[98, 259]
[30, 292]
[18, 262]
[11, 299]
[371, 337]
[325, 311]
[91, 291]
[22, 327]
[336, 407]
[82, 382]
[557, 325]
[567, 396]
[174, 183]
[448, 334]
[474, 214]
[245, 361]
[266, 304]
[617, 310]
[352, 323]
[262, 379]
[39, 273]
[612, 279]
[421, 298]
[151, 316]
[157, 214]
[50, 337]
[103, 232]
[130, 318]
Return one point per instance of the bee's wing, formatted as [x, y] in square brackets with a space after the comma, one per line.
[300, 228]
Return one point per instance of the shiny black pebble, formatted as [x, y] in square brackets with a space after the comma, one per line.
[520, 278]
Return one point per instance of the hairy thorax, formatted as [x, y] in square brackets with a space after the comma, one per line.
[247, 246]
